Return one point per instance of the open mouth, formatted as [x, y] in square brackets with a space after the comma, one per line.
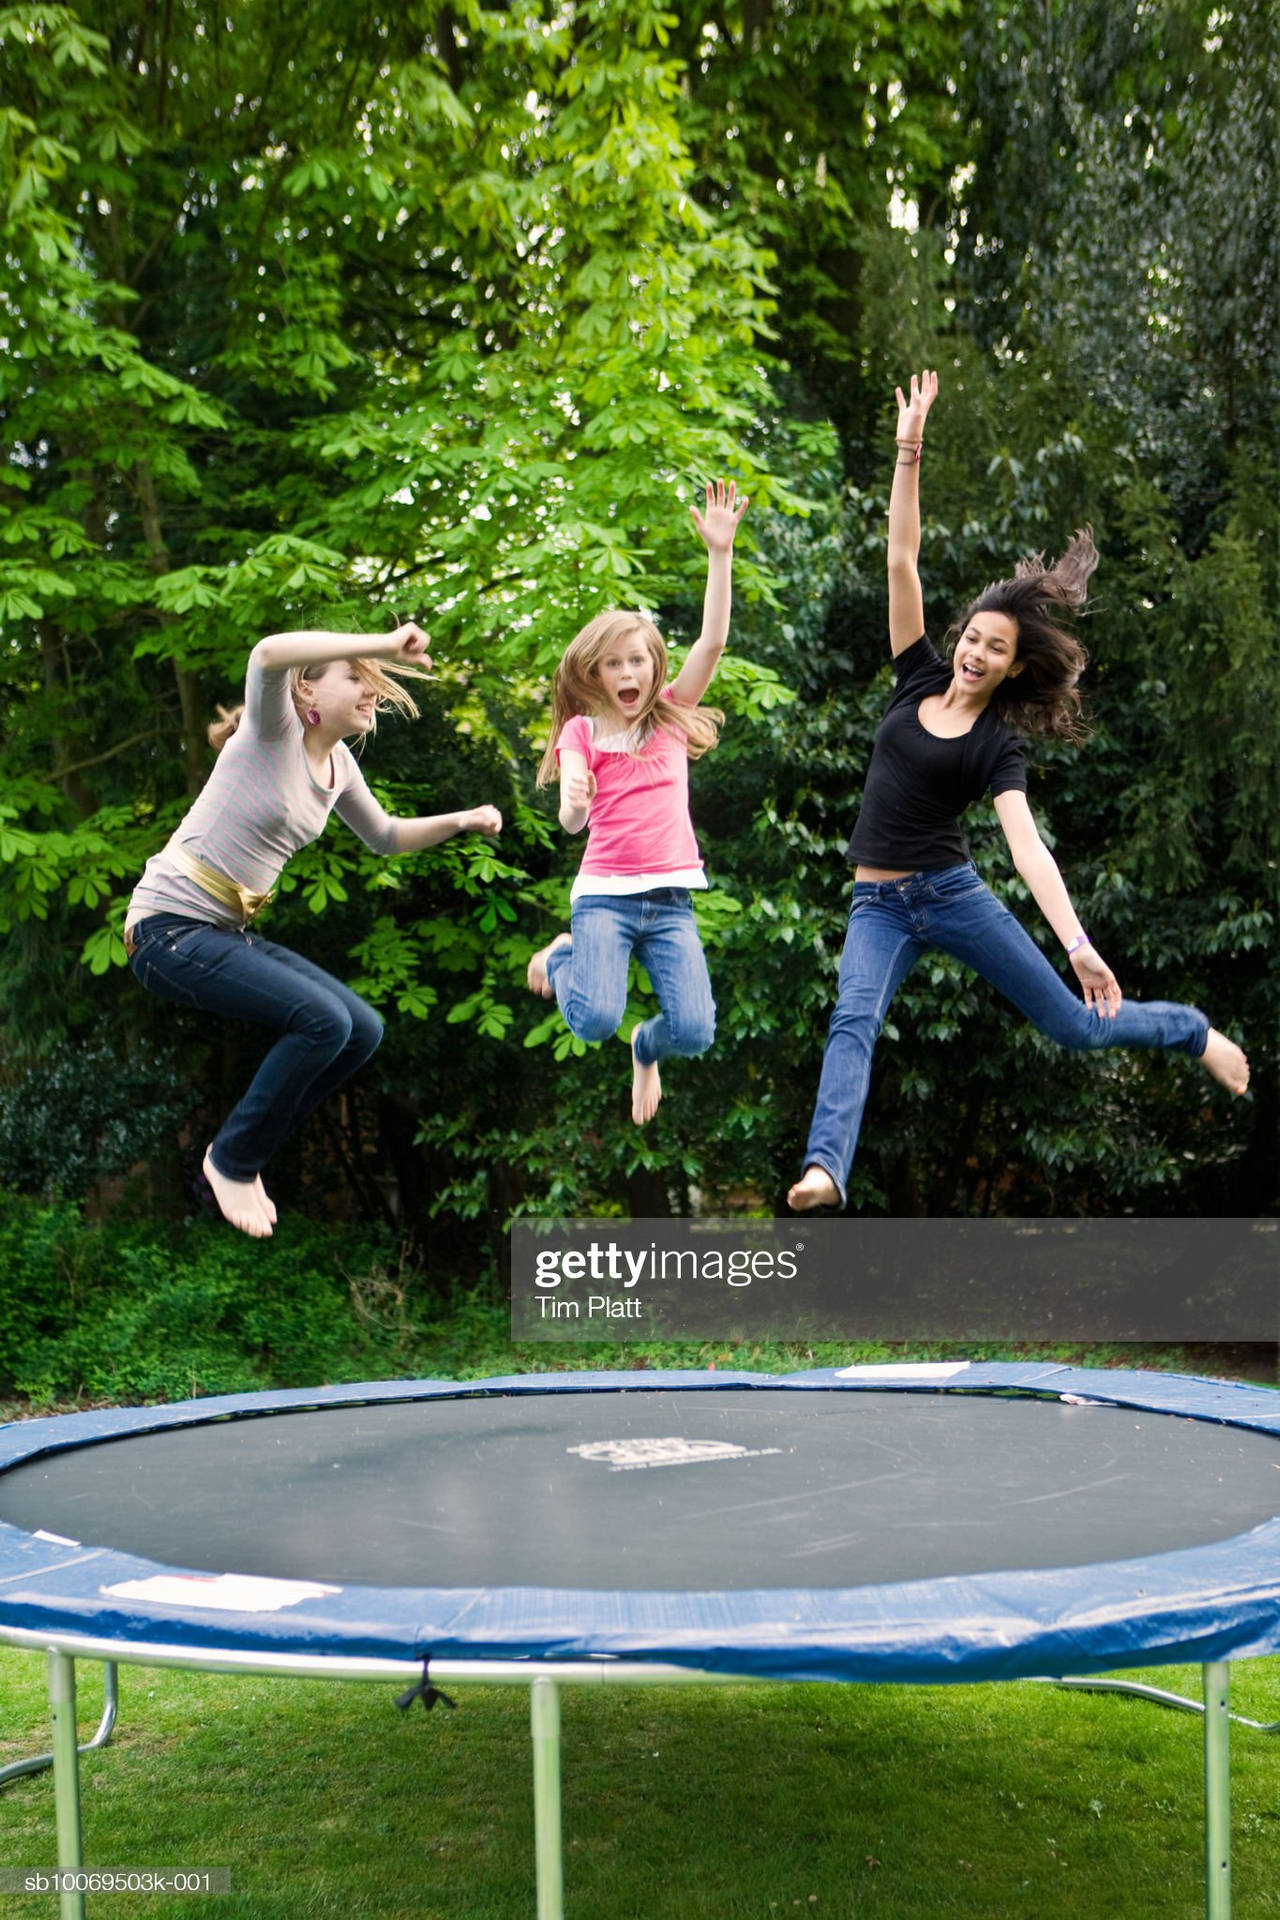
[628, 696]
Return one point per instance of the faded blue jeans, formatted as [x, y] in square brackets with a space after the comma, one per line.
[590, 975]
[325, 1030]
[891, 923]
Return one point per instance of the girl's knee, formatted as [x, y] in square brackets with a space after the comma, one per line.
[367, 1029]
[692, 1034]
[856, 1022]
[592, 1022]
[1077, 1032]
[343, 1026]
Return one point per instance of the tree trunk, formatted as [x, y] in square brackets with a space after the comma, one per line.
[188, 684]
[53, 656]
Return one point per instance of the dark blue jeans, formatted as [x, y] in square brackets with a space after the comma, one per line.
[325, 1030]
[891, 923]
[589, 977]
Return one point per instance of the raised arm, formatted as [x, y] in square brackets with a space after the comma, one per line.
[1039, 869]
[906, 602]
[716, 527]
[313, 649]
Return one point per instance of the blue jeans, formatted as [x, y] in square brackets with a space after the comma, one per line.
[325, 1030]
[891, 923]
[590, 975]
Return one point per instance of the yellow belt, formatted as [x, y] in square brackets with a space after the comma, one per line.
[219, 887]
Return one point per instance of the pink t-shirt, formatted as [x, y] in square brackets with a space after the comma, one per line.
[639, 821]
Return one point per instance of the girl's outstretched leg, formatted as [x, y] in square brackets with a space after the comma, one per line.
[972, 925]
[880, 948]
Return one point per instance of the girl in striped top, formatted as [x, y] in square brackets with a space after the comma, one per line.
[283, 766]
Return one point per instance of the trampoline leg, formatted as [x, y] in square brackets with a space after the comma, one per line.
[544, 1721]
[1217, 1792]
[110, 1702]
[66, 1777]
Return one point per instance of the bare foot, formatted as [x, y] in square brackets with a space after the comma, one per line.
[1225, 1061]
[268, 1204]
[646, 1089]
[239, 1201]
[814, 1188]
[536, 975]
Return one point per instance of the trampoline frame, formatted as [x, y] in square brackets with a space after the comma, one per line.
[545, 1678]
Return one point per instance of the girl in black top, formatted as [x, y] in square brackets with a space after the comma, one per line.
[948, 737]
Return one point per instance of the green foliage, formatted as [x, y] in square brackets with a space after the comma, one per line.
[383, 336]
[452, 326]
[124, 1314]
[75, 1114]
[44, 1270]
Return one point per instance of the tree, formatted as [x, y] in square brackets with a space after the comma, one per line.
[357, 324]
[356, 315]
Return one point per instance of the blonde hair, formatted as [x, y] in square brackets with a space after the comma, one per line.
[576, 689]
[381, 679]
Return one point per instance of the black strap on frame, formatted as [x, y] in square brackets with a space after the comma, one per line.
[424, 1691]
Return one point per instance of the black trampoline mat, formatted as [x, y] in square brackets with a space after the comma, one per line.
[684, 1490]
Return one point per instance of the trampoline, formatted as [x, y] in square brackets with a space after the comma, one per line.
[969, 1522]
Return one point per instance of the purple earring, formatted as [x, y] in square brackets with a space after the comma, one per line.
[313, 716]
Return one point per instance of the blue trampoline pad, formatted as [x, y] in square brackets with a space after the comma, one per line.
[1010, 1519]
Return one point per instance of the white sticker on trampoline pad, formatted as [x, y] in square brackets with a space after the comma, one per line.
[221, 1592]
[623, 1456]
[904, 1370]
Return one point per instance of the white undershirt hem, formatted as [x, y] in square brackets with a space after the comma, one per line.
[617, 884]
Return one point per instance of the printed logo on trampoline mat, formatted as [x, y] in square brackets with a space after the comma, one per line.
[623, 1456]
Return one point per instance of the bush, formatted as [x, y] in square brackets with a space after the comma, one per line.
[126, 1313]
[72, 1115]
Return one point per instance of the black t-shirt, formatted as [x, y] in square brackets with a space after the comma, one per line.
[918, 785]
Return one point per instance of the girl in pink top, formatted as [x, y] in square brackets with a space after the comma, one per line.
[623, 740]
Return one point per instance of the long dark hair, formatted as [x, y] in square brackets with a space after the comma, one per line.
[1043, 698]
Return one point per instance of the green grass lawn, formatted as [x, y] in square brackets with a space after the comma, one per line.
[679, 1803]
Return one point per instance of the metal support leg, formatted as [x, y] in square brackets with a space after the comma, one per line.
[110, 1701]
[1217, 1792]
[66, 1776]
[544, 1720]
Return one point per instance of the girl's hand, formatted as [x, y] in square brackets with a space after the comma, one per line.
[578, 789]
[719, 523]
[913, 412]
[409, 642]
[1099, 985]
[482, 820]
